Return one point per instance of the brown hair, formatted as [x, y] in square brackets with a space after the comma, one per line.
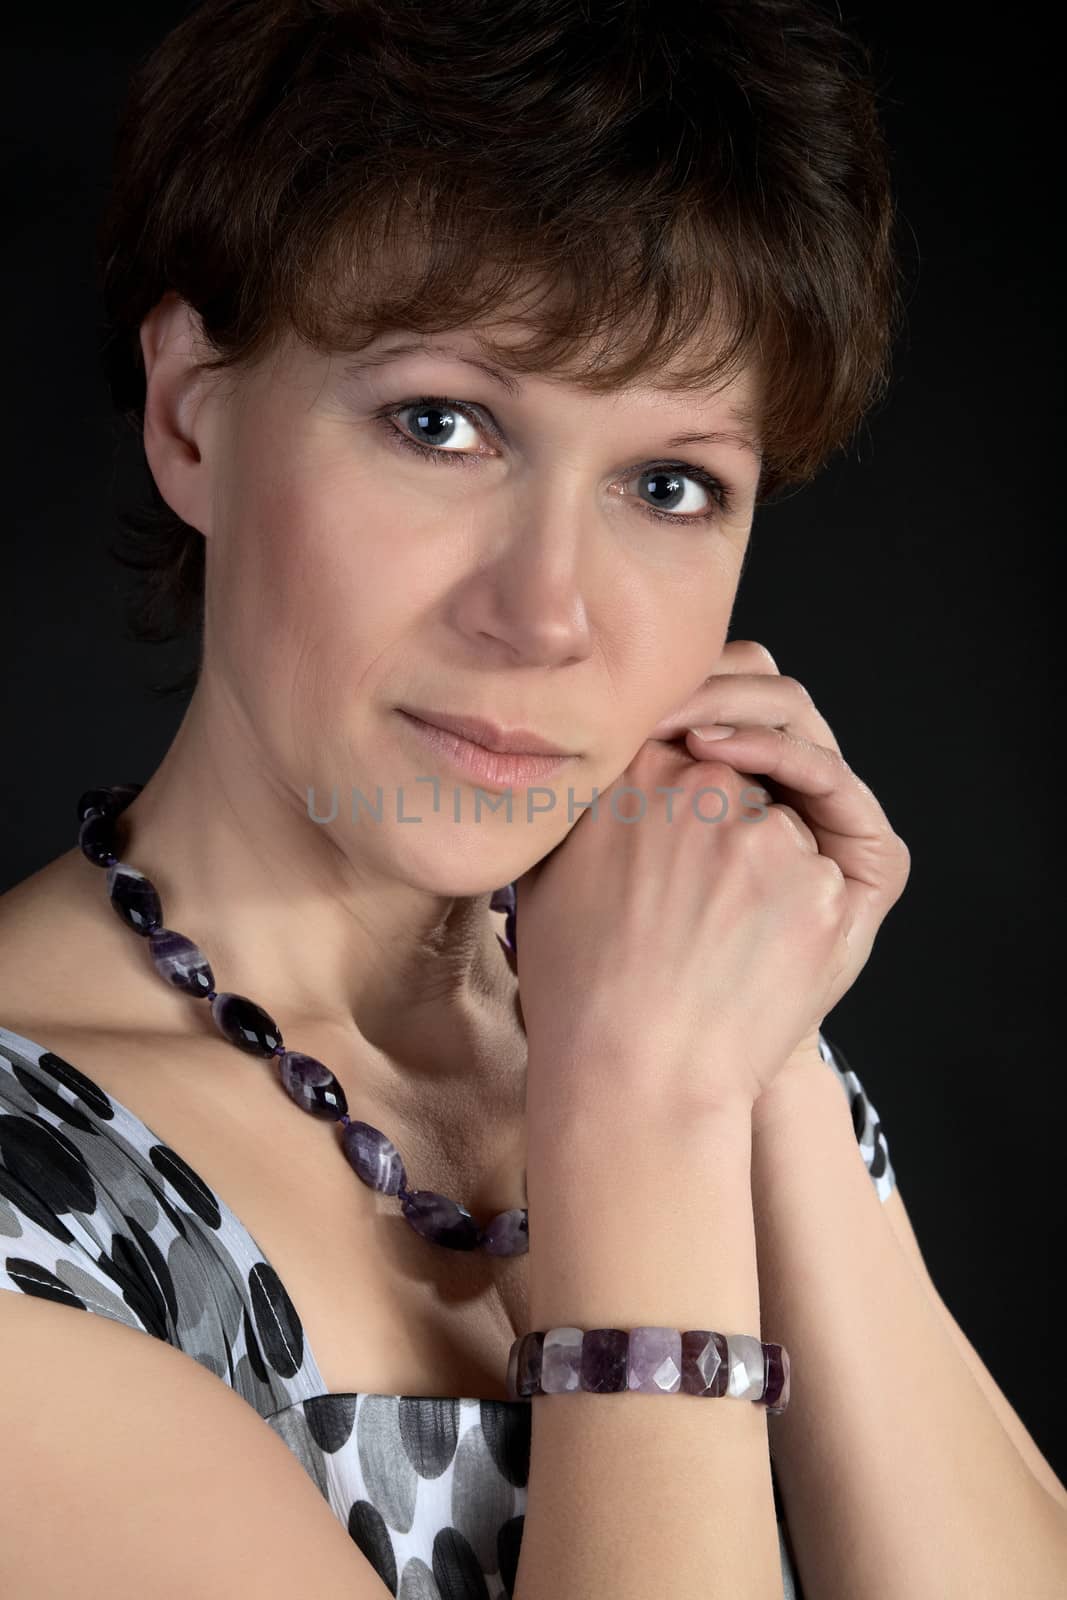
[712, 177]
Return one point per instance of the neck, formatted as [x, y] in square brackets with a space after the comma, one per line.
[308, 921]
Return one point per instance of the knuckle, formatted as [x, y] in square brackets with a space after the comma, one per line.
[755, 654]
[832, 879]
[795, 687]
[782, 823]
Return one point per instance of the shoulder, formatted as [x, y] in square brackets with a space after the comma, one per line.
[99, 1215]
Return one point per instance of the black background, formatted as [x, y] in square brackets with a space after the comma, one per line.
[908, 589]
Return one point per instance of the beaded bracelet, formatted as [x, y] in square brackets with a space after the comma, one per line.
[649, 1361]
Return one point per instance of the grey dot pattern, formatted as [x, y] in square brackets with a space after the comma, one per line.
[98, 1213]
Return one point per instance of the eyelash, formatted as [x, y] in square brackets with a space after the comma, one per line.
[720, 494]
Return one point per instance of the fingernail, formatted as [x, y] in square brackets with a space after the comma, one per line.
[718, 730]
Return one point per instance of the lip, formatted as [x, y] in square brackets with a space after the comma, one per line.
[492, 769]
[513, 741]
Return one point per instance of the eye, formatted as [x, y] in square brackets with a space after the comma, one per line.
[667, 482]
[441, 421]
[444, 421]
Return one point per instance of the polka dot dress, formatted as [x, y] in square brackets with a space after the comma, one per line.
[99, 1214]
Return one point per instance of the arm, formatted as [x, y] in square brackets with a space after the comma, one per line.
[641, 1215]
[897, 1477]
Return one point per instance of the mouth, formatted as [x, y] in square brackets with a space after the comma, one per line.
[478, 731]
[492, 769]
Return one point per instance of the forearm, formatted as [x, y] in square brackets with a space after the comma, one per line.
[896, 1476]
[640, 1219]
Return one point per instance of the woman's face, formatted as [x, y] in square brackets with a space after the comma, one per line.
[517, 571]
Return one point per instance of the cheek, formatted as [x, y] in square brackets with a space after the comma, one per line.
[685, 637]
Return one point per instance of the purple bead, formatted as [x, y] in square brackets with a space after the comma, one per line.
[134, 897]
[375, 1158]
[776, 1381]
[441, 1220]
[245, 1024]
[603, 1360]
[96, 838]
[529, 1365]
[123, 794]
[705, 1362]
[503, 899]
[99, 802]
[180, 962]
[513, 1369]
[746, 1366]
[561, 1360]
[508, 1234]
[312, 1085]
[655, 1360]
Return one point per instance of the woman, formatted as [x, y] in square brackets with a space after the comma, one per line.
[642, 269]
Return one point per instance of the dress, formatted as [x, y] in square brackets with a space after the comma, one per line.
[98, 1213]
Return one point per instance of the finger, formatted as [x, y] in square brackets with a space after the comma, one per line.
[761, 700]
[745, 655]
[845, 817]
[807, 838]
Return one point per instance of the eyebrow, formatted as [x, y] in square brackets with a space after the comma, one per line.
[508, 382]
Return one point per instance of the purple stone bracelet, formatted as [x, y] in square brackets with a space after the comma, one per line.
[374, 1157]
[649, 1361]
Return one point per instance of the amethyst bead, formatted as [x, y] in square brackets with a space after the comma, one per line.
[508, 1234]
[503, 899]
[180, 962]
[134, 897]
[705, 1362]
[96, 838]
[776, 1380]
[561, 1360]
[245, 1024]
[123, 794]
[529, 1365]
[441, 1220]
[97, 802]
[513, 1369]
[107, 801]
[655, 1360]
[312, 1085]
[746, 1366]
[603, 1360]
[375, 1158]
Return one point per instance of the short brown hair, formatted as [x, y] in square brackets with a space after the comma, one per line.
[338, 168]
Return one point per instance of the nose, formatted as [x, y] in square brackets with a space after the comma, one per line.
[530, 601]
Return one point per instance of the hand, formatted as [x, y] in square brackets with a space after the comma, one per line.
[677, 956]
[784, 738]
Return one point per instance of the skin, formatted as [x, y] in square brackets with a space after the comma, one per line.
[346, 576]
[772, 727]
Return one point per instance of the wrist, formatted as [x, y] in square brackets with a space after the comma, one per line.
[798, 1086]
[600, 1077]
[631, 1109]
[636, 1218]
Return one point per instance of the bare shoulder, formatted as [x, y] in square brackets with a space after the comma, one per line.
[34, 911]
[129, 1469]
[59, 941]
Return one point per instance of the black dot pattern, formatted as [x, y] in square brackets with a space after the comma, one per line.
[98, 1213]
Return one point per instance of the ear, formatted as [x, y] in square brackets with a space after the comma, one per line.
[179, 430]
